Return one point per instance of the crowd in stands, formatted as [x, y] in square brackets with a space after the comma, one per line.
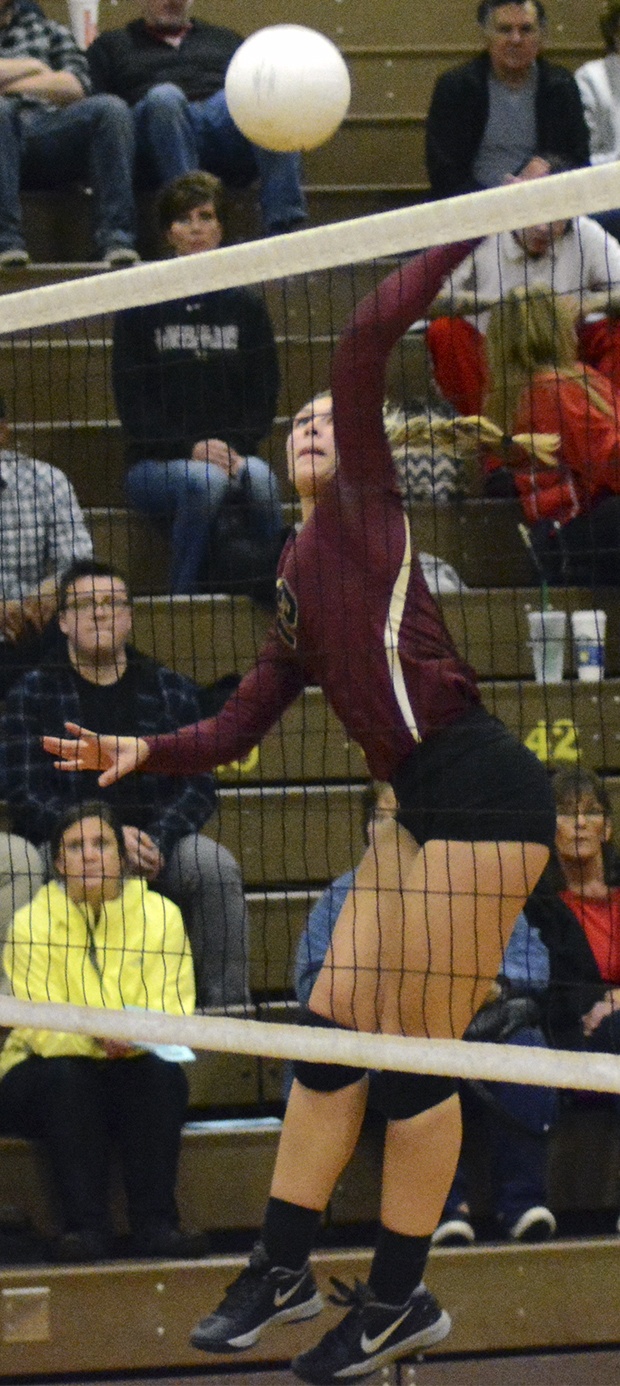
[144, 104]
[116, 897]
[96, 677]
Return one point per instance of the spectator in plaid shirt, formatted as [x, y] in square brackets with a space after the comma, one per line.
[52, 131]
[101, 681]
[42, 531]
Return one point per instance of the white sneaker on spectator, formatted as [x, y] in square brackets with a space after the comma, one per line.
[15, 257]
[456, 1231]
[535, 1225]
[121, 257]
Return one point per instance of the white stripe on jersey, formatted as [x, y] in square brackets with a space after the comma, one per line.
[392, 632]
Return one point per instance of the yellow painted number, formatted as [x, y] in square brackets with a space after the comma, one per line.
[560, 741]
[240, 767]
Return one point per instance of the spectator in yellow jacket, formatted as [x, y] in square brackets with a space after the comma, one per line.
[94, 937]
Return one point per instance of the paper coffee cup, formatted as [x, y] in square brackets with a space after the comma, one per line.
[547, 635]
[589, 642]
[83, 17]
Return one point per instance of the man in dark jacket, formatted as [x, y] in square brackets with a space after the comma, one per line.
[171, 70]
[490, 117]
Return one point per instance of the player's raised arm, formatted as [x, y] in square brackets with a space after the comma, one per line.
[85, 750]
[360, 360]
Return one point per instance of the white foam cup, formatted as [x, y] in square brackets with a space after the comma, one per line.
[589, 644]
[547, 635]
[83, 17]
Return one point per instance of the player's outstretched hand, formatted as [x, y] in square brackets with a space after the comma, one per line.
[85, 750]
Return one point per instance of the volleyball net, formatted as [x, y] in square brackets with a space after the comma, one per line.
[290, 813]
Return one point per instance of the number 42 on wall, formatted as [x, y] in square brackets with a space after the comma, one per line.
[558, 741]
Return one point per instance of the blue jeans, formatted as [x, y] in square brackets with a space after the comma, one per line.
[191, 495]
[90, 141]
[176, 136]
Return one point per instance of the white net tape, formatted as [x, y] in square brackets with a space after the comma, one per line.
[491, 1062]
[387, 233]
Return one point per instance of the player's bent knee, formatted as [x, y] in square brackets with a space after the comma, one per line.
[321, 1077]
[400, 1096]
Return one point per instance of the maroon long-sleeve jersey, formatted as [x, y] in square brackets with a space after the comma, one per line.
[354, 613]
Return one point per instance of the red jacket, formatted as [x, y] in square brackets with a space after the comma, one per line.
[588, 456]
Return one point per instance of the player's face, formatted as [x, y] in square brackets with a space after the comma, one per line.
[166, 14]
[89, 862]
[311, 447]
[537, 240]
[196, 230]
[514, 38]
[582, 828]
[97, 618]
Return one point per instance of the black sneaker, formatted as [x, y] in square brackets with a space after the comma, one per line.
[261, 1294]
[371, 1335]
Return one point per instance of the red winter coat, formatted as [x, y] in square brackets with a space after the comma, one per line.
[588, 456]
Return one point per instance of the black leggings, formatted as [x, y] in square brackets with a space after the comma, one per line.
[78, 1108]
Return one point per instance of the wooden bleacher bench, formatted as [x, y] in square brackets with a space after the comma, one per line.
[479, 538]
[584, 1173]
[216, 634]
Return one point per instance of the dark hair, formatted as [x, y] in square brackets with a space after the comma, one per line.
[571, 785]
[486, 7]
[184, 193]
[91, 808]
[609, 19]
[86, 567]
[568, 787]
[3, 409]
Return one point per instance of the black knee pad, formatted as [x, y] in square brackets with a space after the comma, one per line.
[400, 1096]
[324, 1077]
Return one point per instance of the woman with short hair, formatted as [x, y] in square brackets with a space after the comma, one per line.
[196, 383]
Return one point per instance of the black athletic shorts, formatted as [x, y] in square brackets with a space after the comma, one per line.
[474, 782]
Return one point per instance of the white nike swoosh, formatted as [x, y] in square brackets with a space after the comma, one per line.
[369, 1345]
[281, 1296]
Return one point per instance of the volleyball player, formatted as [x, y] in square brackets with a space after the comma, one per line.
[421, 933]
